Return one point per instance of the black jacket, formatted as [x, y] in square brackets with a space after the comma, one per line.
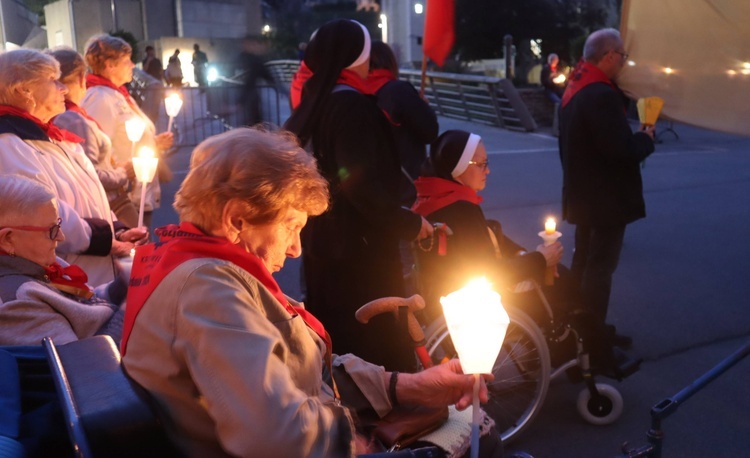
[471, 253]
[601, 159]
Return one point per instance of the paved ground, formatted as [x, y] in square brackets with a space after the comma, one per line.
[681, 289]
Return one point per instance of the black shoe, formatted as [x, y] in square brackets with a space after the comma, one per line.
[622, 341]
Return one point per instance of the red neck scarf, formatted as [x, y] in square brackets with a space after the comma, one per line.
[51, 130]
[71, 279]
[378, 78]
[375, 80]
[584, 74]
[96, 80]
[72, 106]
[434, 193]
[178, 244]
[298, 82]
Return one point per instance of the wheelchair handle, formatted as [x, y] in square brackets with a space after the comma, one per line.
[392, 304]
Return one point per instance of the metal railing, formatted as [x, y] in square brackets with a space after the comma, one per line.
[488, 100]
[205, 111]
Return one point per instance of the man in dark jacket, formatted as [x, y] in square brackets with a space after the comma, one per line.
[601, 156]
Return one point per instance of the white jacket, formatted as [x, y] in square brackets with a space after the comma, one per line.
[111, 110]
[82, 203]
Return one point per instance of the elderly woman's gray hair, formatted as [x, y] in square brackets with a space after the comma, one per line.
[599, 43]
[21, 196]
[266, 171]
[23, 67]
[72, 65]
[103, 48]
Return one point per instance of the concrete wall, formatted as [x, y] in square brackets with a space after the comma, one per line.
[404, 29]
[16, 22]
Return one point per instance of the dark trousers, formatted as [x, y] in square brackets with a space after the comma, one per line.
[597, 253]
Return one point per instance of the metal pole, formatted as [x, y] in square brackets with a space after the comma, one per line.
[508, 44]
[114, 15]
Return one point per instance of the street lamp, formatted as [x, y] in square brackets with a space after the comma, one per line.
[477, 323]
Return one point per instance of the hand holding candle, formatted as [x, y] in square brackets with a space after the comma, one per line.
[550, 236]
[145, 168]
[173, 104]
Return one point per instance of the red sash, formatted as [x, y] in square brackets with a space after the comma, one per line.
[51, 130]
[584, 74]
[96, 80]
[434, 193]
[178, 244]
[378, 78]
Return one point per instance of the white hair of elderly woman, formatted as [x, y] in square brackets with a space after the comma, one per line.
[21, 68]
[21, 196]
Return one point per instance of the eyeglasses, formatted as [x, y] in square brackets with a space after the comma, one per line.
[54, 231]
[482, 165]
[623, 54]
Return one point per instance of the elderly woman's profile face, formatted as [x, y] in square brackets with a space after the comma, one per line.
[120, 70]
[274, 242]
[475, 175]
[49, 97]
[35, 244]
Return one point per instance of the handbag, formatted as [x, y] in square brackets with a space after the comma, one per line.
[124, 209]
[404, 425]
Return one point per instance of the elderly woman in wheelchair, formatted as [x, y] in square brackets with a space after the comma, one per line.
[543, 318]
[235, 366]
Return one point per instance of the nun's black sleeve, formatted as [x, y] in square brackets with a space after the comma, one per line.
[367, 168]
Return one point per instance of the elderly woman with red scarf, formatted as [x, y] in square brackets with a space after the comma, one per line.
[40, 296]
[30, 96]
[237, 367]
[107, 101]
[456, 172]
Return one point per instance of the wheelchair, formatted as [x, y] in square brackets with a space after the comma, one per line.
[542, 343]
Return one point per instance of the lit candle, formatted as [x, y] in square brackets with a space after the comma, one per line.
[477, 323]
[550, 226]
[144, 166]
[173, 104]
[559, 79]
[134, 127]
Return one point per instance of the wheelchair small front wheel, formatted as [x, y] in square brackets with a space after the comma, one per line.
[601, 409]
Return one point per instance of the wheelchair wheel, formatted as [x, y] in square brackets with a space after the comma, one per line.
[522, 372]
[603, 409]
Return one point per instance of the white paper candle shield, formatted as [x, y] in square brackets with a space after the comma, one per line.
[477, 323]
[145, 165]
[173, 103]
[134, 127]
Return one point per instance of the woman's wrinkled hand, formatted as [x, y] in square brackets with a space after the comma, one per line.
[552, 254]
[426, 230]
[164, 141]
[440, 385]
[136, 236]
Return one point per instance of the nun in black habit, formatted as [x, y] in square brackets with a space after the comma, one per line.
[350, 253]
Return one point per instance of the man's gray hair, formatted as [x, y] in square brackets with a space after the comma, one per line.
[599, 43]
[21, 196]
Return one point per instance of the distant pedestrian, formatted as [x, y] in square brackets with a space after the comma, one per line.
[173, 74]
[200, 66]
[152, 65]
[554, 85]
[250, 64]
[602, 188]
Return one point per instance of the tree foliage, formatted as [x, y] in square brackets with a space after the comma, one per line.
[482, 24]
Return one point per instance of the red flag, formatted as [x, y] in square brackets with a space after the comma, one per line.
[439, 30]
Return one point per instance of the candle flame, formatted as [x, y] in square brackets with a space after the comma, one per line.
[550, 226]
[559, 79]
[146, 153]
[668, 70]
